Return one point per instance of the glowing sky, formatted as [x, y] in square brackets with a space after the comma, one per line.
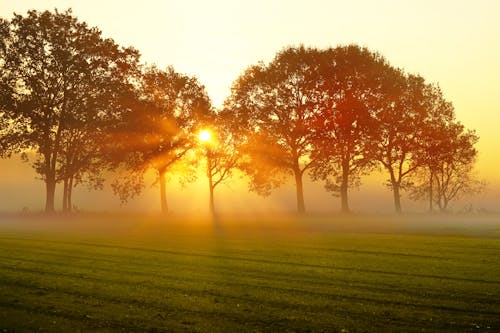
[455, 43]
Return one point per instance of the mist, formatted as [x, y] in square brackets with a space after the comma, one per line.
[21, 191]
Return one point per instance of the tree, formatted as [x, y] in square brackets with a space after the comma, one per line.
[435, 139]
[343, 126]
[60, 73]
[448, 173]
[85, 144]
[272, 108]
[82, 160]
[9, 128]
[399, 118]
[160, 129]
[221, 151]
[455, 180]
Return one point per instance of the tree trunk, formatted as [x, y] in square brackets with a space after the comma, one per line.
[50, 184]
[69, 196]
[396, 189]
[211, 202]
[301, 209]
[65, 195]
[439, 196]
[344, 204]
[444, 207]
[163, 193]
[397, 196]
[67, 204]
[431, 208]
[50, 190]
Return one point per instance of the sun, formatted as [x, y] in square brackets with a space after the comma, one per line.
[205, 136]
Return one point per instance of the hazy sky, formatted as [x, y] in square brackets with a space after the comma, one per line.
[455, 43]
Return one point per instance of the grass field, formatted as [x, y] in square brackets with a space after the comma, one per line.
[284, 275]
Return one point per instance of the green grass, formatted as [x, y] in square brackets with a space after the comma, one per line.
[144, 275]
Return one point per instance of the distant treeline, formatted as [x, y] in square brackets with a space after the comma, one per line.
[77, 106]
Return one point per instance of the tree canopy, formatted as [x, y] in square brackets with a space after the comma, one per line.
[161, 127]
[350, 89]
[273, 109]
[77, 105]
[62, 77]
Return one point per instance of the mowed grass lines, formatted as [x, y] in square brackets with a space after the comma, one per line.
[242, 282]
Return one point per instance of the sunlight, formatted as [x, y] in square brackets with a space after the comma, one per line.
[205, 136]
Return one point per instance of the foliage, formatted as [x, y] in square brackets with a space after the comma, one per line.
[64, 79]
[343, 127]
[221, 152]
[160, 128]
[79, 105]
[400, 123]
[448, 174]
[272, 106]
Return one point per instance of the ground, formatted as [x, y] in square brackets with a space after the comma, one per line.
[112, 273]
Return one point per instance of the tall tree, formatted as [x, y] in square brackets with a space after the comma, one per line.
[161, 128]
[350, 85]
[272, 108]
[437, 131]
[400, 120]
[58, 69]
[101, 102]
[9, 128]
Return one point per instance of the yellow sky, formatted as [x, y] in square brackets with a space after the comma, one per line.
[455, 43]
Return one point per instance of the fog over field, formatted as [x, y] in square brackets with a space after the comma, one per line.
[19, 190]
[255, 225]
[266, 273]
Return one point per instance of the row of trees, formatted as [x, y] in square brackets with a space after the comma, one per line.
[340, 113]
[79, 106]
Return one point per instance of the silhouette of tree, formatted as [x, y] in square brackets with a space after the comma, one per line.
[435, 136]
[222, 157]
[272, 107]
[399, 120]
[160, 129]
[80, 104]
[9, 128]
[59, 73]
[343, 127]
[82, 158]
[448, 172]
